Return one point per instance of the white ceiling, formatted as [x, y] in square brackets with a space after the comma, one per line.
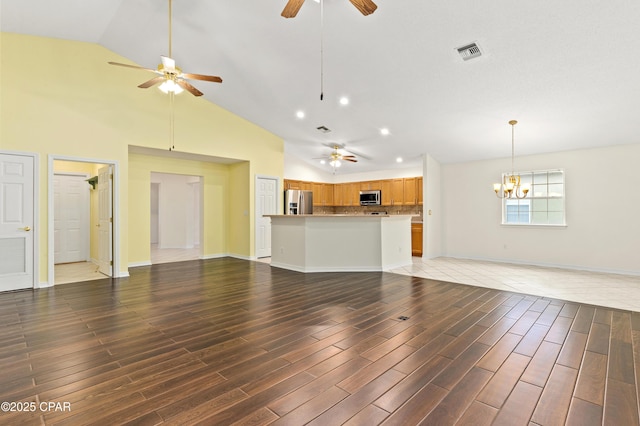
[568, 71]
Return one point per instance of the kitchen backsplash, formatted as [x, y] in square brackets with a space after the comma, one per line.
[410, 210]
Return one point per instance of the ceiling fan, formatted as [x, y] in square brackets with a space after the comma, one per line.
[337, 156]
[366, 7]
[171, 77]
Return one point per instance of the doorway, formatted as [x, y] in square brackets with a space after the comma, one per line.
[82, 220]
[176, 217]
[18, 220]
[266, 203]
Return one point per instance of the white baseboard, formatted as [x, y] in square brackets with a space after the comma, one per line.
[549, 265]
[136, 264]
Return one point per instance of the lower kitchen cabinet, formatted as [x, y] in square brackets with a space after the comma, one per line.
[416, 239]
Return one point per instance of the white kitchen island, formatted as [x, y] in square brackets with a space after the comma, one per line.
[340, 243]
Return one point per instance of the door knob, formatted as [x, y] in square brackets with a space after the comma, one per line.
[26, 228]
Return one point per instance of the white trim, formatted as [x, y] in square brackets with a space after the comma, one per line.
[116, 211]
[255, 207]
[237, 256]
[546, 265]
[36, 214]
[298, 268]
[137, 264]
[213, 256]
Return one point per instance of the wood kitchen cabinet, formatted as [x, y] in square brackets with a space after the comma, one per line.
[385, 192]
[338, 194]
[392, 192]
[292, 184]
[353, 194]
[410, 196]
[322, 194]
[397, 192]
[416, 239]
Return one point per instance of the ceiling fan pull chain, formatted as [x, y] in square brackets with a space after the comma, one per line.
[321, 49]
[171, 123]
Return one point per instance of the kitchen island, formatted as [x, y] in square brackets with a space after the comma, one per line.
[340, 243]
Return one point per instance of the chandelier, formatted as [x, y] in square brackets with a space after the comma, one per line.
[510, 186]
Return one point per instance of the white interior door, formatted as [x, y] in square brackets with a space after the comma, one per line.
[266, 203]
[105, 220]
[71, 218]
[16, 222]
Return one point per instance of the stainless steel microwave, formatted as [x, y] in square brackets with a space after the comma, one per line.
[370, 198]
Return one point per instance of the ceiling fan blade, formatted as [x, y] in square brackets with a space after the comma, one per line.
[151, 82]
[131, 66]
[348, 156]
[189, 88]
[366, 7]
[292, 8]
[168, 63]
[212, 78]
[350, 159]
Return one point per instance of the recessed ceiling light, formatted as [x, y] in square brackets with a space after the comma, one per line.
[300, 114]
[344, 100]
[399, 160]
[384, 131]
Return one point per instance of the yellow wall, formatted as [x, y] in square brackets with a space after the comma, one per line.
[60, 97]
[215, 206]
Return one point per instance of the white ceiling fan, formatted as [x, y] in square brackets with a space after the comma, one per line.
[170, 77]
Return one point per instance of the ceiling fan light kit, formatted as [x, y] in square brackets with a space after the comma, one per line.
[171, 77]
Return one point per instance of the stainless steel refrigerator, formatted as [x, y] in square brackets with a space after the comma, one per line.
[298, 202]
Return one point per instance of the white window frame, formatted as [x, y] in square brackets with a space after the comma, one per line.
[531, 196]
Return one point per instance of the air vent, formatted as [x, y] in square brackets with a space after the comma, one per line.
[323, 129]
[469, 51]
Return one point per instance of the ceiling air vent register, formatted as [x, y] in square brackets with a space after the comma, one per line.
[469, 51]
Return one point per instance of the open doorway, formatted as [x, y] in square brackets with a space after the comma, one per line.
[176, 217]
[81, 220]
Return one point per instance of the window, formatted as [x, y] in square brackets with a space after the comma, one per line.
[544, 204]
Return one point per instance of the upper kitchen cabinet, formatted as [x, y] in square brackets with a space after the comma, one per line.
[292, 184]
[410, 194]
[419, 189]
[322, 194]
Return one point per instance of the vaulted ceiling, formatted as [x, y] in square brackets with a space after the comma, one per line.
[567, 71]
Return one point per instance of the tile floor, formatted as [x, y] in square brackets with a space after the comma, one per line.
[65, 273]
[611, 290]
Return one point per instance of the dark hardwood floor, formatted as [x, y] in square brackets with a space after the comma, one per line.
[227, 341]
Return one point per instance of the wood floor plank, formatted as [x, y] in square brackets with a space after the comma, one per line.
[573, 350]
[518, 408]
[452, 407]
[584, 413]
[592, 378]
[226, 340]
[553, 405]
[504, 380]
[620, 404]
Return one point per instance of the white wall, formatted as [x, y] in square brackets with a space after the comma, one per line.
[297, 169]
[432, 213]
[178, 210]
[602, 208]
